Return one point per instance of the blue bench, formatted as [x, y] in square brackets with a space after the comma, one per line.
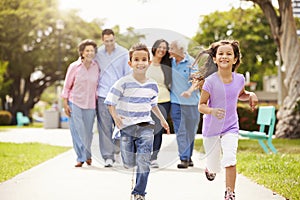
[21, 119]
[266, 118]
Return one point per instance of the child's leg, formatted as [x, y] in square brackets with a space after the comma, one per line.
[212, 147]
[127, 147]
[229, 144]
[144, 144]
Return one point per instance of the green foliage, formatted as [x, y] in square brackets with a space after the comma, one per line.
[32, 43]
[279, 172]
[5, 117]
[16, 158]
[252, 30]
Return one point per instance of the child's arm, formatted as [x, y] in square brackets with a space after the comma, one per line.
[188, 93]
[251, 96]
[115, 116]
[163, 121]
[205, 109]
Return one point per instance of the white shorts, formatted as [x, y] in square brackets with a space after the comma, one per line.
[217, 146]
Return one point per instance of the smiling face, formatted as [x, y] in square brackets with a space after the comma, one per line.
[225, 57]
[161, 50]
[88, 53]
[139, 61]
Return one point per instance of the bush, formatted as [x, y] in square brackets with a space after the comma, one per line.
[5, 117]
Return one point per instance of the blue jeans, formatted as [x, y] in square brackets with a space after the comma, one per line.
[136, 146]
[81, 127]
[185, 121]
[105, 129]
[158, 130]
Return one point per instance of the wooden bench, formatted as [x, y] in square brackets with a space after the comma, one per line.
[266, 118]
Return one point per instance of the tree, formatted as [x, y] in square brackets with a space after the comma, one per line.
[250, 28]
[283, 28]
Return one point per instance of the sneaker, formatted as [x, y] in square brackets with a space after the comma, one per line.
[191, 164]
[183, 165]
[210, 176]
[229, 195]
[139, 197]
[108, 163]
[154, 164]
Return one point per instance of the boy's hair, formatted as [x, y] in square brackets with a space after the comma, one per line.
[85, 43]
[138, 47]
[107, 32]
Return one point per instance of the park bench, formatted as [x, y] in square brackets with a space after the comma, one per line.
[21, 119]
[266, 120]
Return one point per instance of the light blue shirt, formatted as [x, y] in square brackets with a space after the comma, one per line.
[181, 81]
[112, 67]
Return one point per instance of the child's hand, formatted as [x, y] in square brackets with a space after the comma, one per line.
[253, 100]
[218, 113]
[165, 124]
[118, 122]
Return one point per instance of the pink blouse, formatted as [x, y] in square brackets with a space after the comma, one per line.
[81, 84]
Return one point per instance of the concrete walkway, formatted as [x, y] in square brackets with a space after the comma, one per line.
[58, 179]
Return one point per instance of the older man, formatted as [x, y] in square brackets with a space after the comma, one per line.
[184, 103]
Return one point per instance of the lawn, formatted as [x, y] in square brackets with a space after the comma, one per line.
[279, 172]
[16, 158]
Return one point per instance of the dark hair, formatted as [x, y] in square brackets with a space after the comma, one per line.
[209, 66]
[236, 50]
[85, 43]
[107, 32]
[138, 47]
[166, 58]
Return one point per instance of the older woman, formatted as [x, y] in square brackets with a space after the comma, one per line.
[79, 94]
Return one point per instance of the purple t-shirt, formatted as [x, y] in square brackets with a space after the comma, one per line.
[222, 96]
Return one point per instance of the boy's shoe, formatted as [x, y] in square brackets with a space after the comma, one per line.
[183, 165]
[154, 164]
[209, 176]
[229, 195]
[108, 163]
[191, 164]
[139, 197]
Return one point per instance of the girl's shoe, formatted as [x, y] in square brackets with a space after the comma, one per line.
[79, 164]
[229, 195]
[210, 176]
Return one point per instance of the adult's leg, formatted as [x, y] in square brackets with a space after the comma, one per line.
[158, 130]
[179, 128]
[88, 121]
[76, 128]
[105, 130]
[192, 118]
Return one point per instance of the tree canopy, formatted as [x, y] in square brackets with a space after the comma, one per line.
[250, 27]
[37, 51]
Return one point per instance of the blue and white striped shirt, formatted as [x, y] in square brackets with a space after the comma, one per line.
[133, 100]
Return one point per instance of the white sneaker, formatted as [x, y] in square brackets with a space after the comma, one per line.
[108, 163]
[154, 164]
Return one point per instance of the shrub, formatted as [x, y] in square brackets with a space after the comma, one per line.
[5, 117]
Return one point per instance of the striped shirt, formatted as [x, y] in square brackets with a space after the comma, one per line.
[133, 100]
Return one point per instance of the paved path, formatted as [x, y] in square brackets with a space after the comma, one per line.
[58, 179]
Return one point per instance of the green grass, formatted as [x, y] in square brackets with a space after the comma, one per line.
[16, 158]
[279, 172]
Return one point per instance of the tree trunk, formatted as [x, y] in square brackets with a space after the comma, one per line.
[283, 28]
